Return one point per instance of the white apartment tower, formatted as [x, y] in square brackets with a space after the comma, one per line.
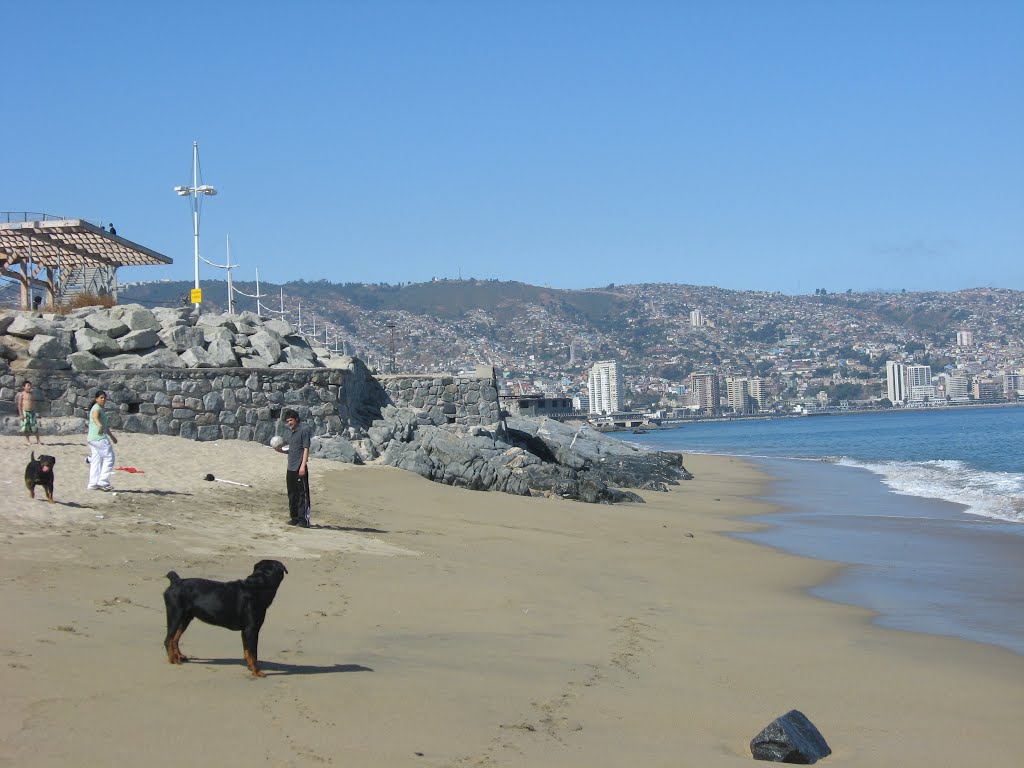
[919, 383]
[896, 381]
[605, 386]
[697, 319]
[965, 338]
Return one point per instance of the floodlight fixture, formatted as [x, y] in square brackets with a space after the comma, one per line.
[194, 191]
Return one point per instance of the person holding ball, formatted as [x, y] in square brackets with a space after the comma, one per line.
[297, 477]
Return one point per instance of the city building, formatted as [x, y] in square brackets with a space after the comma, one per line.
[1013, 384]
[896, 381]
[919, 383]
[697, 319]
[738, 394]
[965, 338]
[606, 387]
[758, 394]
[705, 392]
[987, 389]
[957, 386]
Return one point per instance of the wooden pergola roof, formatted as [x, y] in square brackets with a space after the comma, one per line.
[55, 246]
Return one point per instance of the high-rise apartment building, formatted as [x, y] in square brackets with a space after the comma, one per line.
[697, 319]
[758, 394]
[986, 389]
[896, 381]
[1013, 384]
[919, 383]
[958, 387]
[965, 338]
[738, 394]
[606, 387]
[704, 391]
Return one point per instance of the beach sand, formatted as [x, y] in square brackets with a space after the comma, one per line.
[422, 625]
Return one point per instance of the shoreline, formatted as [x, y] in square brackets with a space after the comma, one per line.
[424, 625]
[921, 564]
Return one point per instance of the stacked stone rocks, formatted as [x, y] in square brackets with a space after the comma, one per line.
[132, 337]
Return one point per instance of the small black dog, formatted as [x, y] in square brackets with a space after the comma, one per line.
[237, 605]
[40, 472]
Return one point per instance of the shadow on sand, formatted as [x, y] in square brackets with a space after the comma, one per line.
[279, 668]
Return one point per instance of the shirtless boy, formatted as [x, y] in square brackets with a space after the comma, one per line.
[26, 402]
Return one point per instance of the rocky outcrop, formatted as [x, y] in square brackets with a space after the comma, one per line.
[133, 337]
[529, 457]
[790, 738]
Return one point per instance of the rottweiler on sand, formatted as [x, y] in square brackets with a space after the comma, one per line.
[40, 472]
[236, 605]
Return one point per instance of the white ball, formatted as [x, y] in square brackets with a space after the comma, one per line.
[276, 441]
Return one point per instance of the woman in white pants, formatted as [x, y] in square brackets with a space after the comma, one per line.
[101, 446]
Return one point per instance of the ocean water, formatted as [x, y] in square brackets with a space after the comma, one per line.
[925, 508]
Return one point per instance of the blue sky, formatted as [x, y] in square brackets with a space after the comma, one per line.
[784, 145]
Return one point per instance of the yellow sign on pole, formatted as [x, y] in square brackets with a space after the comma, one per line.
[197, 296]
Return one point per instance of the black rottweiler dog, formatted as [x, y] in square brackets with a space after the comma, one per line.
[237, 605]
[40, 472]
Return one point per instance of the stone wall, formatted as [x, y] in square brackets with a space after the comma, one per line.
[245, 403]
[467, 401]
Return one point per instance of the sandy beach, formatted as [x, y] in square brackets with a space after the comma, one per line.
[422, 625]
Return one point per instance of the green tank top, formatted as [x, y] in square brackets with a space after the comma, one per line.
[94, 431]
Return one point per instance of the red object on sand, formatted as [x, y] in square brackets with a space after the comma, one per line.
[133, 470]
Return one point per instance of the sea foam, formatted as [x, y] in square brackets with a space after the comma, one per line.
[997, 495]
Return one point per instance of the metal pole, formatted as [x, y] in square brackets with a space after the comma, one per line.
[258, 312]
[391, 326]
[231, 294]
[195, 209]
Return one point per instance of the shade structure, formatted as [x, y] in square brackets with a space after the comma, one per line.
[49, 252]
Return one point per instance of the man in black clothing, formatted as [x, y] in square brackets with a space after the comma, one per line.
[297, 478]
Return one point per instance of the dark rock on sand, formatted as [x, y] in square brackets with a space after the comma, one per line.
[791, 738]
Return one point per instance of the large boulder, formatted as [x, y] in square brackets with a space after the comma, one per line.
[790, 738]
[221, 354]
[50, 347]
[170, 317]
[138, 318]
[86, 361]
[89, 340]
[227, 322]
[334, 448]
[614, 461]
[266, 346]
[216, 332]
[196, 357]
[27, 327]
[281, 327]
[162, 358]
[103, 322]
[126, 362]
[178, 338]
[135, 341]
